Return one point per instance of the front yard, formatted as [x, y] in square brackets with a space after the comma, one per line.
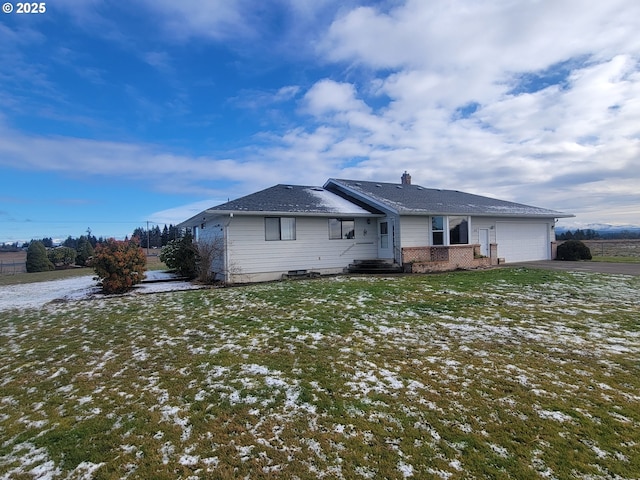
[509, 373]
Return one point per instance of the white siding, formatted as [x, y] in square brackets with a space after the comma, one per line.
[478, 223]
[252, 258]
[414, 231]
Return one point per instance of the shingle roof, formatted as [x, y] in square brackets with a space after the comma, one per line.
[292, 199]
[417, 200]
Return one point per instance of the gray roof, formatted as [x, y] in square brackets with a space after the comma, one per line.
[417, 200]
[292, 199]
[358, 198]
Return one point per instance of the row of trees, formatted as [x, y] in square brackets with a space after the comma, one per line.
[47, 242]
[120, 265]
[43, 256]
[587, 234]
[151, 238]
[590, 234]
[41, 259]
[156, 238]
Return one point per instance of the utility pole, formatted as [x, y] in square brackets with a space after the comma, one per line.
[147, 238]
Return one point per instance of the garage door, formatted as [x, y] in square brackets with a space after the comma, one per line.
[523, 242]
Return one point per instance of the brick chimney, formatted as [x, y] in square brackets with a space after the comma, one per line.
[406, 178]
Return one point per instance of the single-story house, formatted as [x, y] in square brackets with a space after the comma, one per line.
[292, 229]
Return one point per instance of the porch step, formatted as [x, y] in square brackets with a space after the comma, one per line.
[375, 265]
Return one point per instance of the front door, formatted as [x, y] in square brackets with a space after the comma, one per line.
[483, 233]
[385, 239]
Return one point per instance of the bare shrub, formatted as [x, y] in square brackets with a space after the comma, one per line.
[210, 259]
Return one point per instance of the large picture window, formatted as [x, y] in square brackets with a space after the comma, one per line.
[279, 228]
[453, 230]
[458, 230]
[342, 228]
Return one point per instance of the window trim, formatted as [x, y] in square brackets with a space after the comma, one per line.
[343, 235]
[446, 230]
[463, 219]
[280, 230]
[442, 231]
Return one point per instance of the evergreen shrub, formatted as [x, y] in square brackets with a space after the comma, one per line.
[37, 260]
[573, 250]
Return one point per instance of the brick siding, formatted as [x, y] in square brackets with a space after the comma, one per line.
[441, 259]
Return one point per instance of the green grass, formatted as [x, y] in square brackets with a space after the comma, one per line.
[20, 278]
[506, 373]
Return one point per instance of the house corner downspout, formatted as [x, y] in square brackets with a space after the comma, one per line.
[225, 242]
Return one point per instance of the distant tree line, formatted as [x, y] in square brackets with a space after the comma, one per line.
[47, 242]
[43, 255]
[578, 234]
[590, 234]
[77, 251]
[155, 237]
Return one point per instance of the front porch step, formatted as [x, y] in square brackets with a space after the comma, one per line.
[375, 265]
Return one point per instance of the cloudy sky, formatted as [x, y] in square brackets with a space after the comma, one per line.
[117, 113]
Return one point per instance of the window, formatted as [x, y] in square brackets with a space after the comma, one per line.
[342, 228]
[279, 228]
[458, 230]
[437, 230]
[452, 230]
[384, 234]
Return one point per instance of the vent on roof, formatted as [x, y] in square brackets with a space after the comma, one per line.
[420, 188]
[317, 189]
[399, 186]
[378, 185]
[289, 187]
[358, 184]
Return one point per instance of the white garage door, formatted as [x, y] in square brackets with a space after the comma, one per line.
[523, 242]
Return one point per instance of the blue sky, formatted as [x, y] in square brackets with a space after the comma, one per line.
[113, 114]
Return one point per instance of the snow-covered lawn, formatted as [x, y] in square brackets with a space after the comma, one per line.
[497, 374]
[36, 295]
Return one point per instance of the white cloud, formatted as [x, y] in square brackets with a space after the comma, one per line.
[150, 164]
[431, 58]
[500, 36]
[445, 90]
[176, 215]
[328, 96]
[215, 19]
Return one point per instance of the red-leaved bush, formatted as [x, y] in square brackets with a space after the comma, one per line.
[119, 264]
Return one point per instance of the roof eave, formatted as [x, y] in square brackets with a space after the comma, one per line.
[282, 213]
[486, 214]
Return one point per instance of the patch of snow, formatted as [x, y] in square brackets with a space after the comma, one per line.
[554, 415]
[38, 294]
[85, 471]
[405, 469]
[189, 460]
[334, 203]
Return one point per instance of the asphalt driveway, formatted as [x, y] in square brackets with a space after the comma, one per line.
[598, 267]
